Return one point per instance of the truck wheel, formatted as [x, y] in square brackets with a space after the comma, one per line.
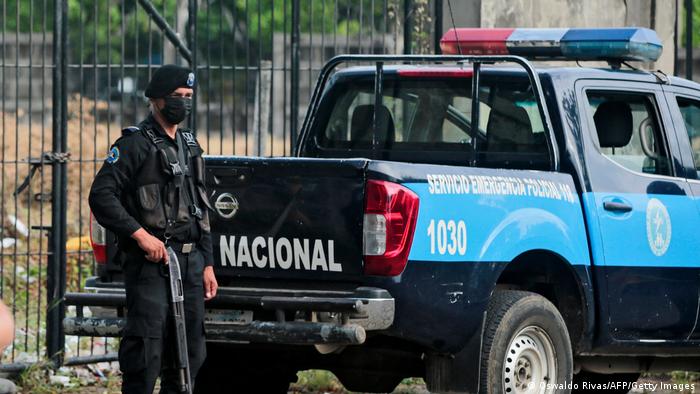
[526, 346]
[592, 378]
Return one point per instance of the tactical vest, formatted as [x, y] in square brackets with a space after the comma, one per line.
[172, 192]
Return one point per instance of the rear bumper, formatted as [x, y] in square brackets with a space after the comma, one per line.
[280, 316]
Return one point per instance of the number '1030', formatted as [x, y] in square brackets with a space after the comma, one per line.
[447, 237]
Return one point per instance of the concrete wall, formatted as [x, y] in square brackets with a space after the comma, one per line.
[655, 14]
[22, 83]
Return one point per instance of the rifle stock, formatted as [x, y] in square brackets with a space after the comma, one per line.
[177, 307]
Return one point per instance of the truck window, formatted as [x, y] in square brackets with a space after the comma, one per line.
[458, 115]
[690, 110]
[351, 121]
[628, 131]
[434, 115]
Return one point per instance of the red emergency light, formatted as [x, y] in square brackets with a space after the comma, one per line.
[475, 41]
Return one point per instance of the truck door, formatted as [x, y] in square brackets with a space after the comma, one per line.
[641, 215]
[684, 104]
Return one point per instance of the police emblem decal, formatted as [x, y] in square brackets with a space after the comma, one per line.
[226, 205]
[113, 155]
[190, 79]
[658, 227]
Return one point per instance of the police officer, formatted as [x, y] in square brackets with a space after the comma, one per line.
[150, 193]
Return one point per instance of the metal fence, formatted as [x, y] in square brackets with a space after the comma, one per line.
[68, 91]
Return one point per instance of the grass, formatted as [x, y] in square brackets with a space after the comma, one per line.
[683, 377]
[314, 381]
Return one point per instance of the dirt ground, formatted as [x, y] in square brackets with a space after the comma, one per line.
[93, 380]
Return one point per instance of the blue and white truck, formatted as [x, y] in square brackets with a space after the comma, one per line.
[468, 218]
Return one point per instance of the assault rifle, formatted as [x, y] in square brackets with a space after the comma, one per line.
[177, 307]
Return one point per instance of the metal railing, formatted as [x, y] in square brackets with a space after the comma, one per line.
[475, 62]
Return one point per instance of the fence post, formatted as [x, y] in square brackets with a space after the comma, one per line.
[56, 269]
[689, 39]
[192, 27]
[437, 31]
[407, 27]
[294, 91]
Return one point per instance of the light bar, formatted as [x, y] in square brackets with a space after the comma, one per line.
[625, 43]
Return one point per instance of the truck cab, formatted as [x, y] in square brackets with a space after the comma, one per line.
[468, 218]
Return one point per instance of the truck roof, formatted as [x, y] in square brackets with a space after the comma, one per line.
[567, 72]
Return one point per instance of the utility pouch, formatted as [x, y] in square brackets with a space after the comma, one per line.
[149, 198]
[178, 211]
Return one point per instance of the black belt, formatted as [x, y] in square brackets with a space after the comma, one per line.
[182, 247]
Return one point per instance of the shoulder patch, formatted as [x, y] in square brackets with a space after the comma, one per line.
[113, 155]
[189, 138]
[130, 130]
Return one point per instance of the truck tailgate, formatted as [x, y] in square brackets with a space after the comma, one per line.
[287, 217]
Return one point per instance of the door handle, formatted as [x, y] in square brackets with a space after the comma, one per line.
[616, 206]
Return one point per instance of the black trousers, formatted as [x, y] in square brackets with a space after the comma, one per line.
[145, 351]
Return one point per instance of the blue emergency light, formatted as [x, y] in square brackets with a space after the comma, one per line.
[616, 44]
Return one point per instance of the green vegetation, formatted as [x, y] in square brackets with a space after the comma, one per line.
[316, 380]
[32, 13]
[696, 23]
[684, 377]
[99, 29]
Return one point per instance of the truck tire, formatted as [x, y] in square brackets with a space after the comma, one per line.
[525, 345]
[599, 378]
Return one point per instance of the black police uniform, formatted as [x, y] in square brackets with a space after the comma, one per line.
[150, 180]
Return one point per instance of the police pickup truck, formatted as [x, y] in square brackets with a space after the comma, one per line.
[466, 218]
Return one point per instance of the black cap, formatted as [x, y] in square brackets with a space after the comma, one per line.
[168, 78]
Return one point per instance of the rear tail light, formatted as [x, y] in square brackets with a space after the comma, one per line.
[98, 240]
[390, 217]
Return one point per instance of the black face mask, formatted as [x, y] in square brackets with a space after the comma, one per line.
[176, 109]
